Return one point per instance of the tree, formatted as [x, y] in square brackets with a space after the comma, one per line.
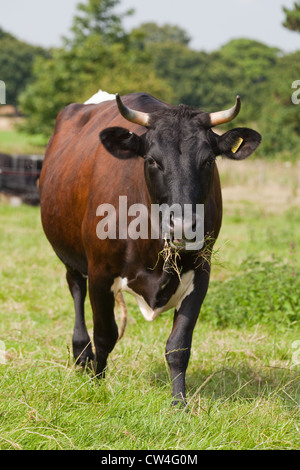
[151, 33]
[16, 64]
[98, 17]
[211, 81]
[279, 119]
[246, 67]
[77, 71]
[158, 60]
[292, 20]
[173, 61]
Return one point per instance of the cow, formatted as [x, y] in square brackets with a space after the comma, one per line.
[153, 153]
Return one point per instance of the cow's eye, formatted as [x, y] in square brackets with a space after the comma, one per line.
[209, 162]
[153, 163]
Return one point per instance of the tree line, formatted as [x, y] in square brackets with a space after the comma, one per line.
[99, 53]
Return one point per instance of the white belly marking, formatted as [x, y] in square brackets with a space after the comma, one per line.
[184, 289]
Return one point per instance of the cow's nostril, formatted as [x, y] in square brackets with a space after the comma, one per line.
[171, 224]
[194, 223]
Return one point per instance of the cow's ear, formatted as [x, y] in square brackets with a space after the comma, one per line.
[122, 143]
[238, 143]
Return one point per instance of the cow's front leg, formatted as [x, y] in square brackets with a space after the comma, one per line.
[82, 348]
[178, 347]
[105, 327]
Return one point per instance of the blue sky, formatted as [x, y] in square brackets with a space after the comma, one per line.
[210, 23]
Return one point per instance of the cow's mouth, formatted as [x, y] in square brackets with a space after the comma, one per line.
[177, 243]
[183, 245]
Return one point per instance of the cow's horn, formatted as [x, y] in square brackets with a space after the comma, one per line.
[221, 117]
[138, 117]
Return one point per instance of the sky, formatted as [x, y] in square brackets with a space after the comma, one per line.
[210, 23]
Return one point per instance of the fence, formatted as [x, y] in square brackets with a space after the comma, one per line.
[19, 175]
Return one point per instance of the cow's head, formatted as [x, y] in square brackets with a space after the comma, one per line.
[179, 151]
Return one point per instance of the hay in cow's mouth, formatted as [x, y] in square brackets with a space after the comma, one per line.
[170, 255]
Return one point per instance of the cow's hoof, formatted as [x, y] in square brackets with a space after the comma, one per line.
[85, 357]
[179, 403]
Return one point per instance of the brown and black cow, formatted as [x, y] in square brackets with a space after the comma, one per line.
[152, 153]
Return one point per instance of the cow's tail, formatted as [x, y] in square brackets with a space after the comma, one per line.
[121, 302]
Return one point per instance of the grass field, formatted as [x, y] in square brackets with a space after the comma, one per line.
[14, 142]
[243, 380]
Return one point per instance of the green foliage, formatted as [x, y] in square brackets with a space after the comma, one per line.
[247, 66]
[96, 58]
[280, 117]
[97, 17]
[172, 60]
[260, 292]
[292, 20]
[151, 33]
[181, 68]
[76, 74]
[16, 62]
[99, 53]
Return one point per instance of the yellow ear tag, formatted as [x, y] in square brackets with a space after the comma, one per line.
[237, 145]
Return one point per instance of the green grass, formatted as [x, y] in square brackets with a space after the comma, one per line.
[16, 142]
[243, 381]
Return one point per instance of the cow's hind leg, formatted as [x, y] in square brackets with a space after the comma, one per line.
[105, 327]
[82, 348]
